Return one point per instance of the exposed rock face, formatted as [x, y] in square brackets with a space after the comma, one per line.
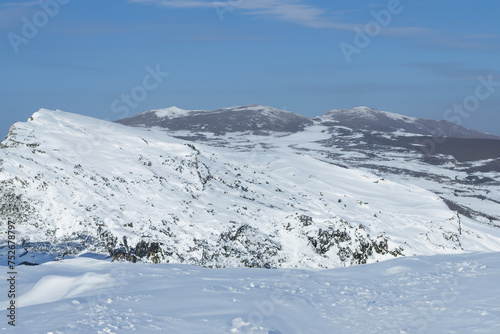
[352, 245]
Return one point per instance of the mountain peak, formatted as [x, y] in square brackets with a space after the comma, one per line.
[256, 108]
[370, 119]
[254, 117]
[367, 113]
[170, 112]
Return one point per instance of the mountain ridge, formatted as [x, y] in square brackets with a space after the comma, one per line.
[366, 118]
[385, 147]
[77, 184]
[255, 118]
[264, 118]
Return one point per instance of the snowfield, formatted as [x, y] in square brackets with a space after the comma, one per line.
[74, 184]
[425, 294]
[259, 231]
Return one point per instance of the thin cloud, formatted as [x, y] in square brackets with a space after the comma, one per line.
[481, 36]
[453, 71]
[286, 10]
[11, 13]
[71, 66]
[301, 13]
[294, 11]
[222, 37]
[20, 4]
[446, 42]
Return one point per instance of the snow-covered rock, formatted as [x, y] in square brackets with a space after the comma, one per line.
[251, 118]
[74, 184]
[365, 118]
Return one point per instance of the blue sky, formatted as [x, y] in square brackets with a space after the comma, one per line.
[420, 60]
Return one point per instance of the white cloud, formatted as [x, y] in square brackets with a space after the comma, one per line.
[19, 4]
[302, 13]
[12, 12]
[295, 11]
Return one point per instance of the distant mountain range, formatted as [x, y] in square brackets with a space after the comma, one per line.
[249, 186]
[258, 119]
[384, 143]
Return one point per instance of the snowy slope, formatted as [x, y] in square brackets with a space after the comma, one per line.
[460, 165]
[74, 184]
[168, 113]
[365, 118]
[437, 294]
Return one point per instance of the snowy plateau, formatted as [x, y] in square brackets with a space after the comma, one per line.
[251, 219]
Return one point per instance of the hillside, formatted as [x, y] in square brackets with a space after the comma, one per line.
[365, 118]
[458, 164]
[76, 184]
[254, 118]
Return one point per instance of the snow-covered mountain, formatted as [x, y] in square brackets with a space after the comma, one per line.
[461, 165]
[365, 118]
[255, 118]
[275, 199]
[262, 119]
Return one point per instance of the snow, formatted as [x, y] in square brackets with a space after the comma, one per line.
[271, 112]
[80, 176]
[425, 294]
[363, 112]
[174, 112]
[253, 107]
[171, 112]
[75, 173]
[395, 165]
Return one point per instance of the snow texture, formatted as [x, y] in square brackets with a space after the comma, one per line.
[436, 294]
[75, 184]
